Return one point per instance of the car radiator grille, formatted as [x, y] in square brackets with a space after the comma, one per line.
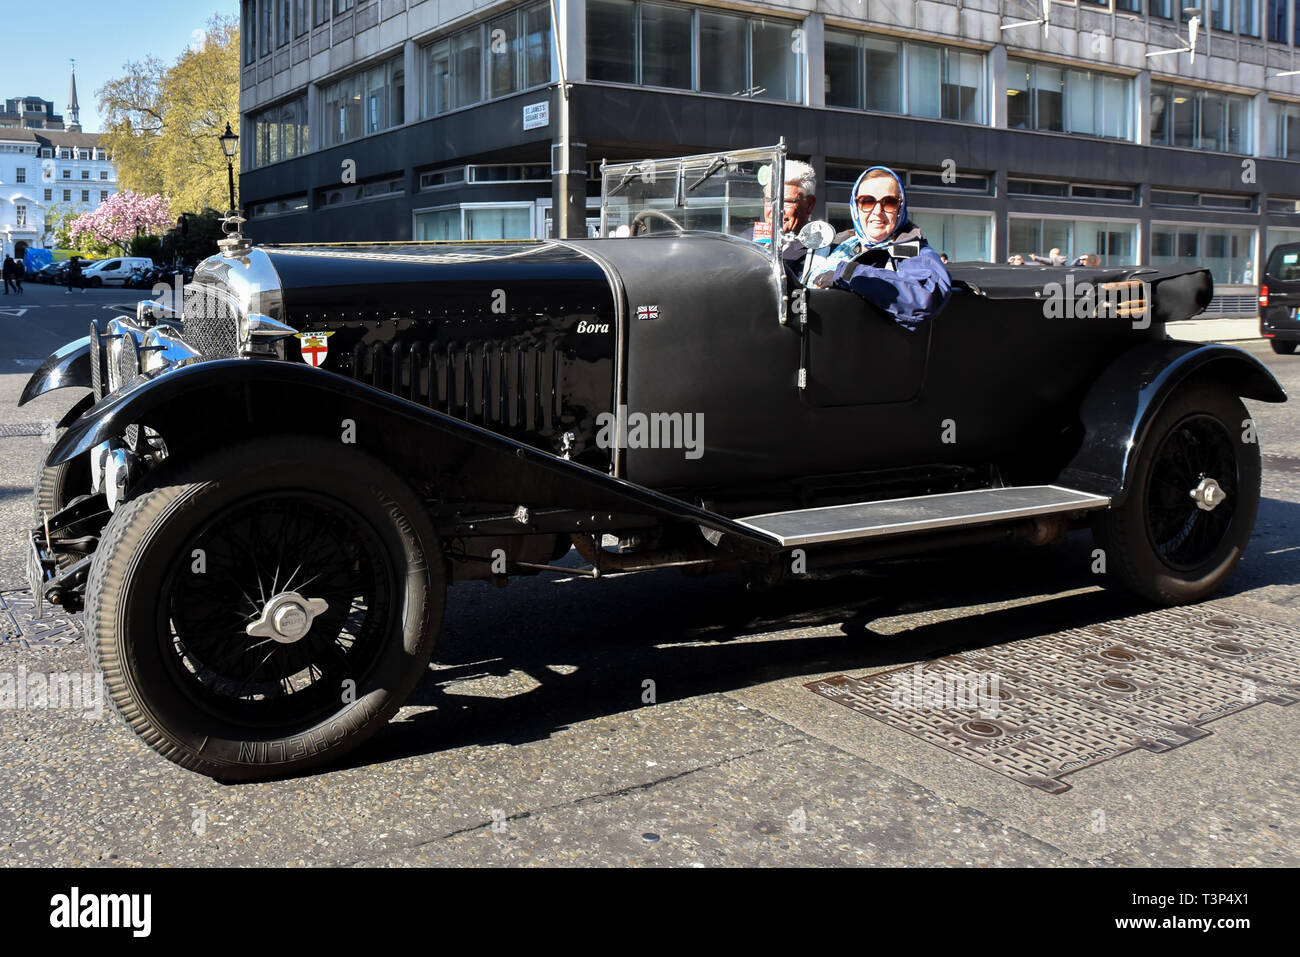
[209, 324]
[497, 383]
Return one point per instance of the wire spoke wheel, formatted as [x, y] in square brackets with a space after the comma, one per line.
[282, 544]
[1183, 532]
[265, 610]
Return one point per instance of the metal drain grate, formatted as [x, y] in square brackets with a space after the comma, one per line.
[8, 431]
[1051, 705]
[19, 624]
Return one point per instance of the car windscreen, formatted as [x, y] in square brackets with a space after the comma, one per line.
[1283, 264]
[722, 193]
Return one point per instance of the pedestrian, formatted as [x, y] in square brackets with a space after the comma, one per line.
[20, 273]
[9, 275]
[74, 276]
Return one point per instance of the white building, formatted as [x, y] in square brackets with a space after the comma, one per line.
[45, 169]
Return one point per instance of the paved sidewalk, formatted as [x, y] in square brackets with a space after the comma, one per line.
[1215, 330]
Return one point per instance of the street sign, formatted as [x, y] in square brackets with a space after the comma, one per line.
[537, 115]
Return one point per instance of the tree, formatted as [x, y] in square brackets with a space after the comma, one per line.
[162, 121]
[121, 218]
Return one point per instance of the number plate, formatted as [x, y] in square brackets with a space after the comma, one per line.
[36, 573]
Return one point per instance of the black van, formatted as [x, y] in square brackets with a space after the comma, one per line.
[1279, 298]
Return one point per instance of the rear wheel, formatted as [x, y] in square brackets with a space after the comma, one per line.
[1192, 500]
[267, 610]
[1282, 347]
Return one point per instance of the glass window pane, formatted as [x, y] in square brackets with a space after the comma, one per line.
[611, 41]
[884, 69]
[1161, 97]
[376, 99]
[537, 45]
[843, 79]
[924, 73]
[503, 55]
[396, 93]
[1184, 117]
[665, 46]
[1025, 237]
[723, 40]
[776, 66]
[1018, 104]
[1213, 123]
[440, 225]
[437, 78]
[1081, 102]
[1049, 98]
[506, 222]
[467, 67]
[963, 86]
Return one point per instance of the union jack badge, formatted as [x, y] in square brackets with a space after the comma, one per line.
[315, 347]
[647, 312]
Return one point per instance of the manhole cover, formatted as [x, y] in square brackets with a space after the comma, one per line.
[1038, 709]
[18, 622]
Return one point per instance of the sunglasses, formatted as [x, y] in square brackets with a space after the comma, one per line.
[889, 204]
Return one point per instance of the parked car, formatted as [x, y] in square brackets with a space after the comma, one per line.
[262, 502]
[113, 272]
[54, 274]
[1279, 299]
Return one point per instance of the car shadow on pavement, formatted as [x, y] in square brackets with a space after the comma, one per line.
[695, 637]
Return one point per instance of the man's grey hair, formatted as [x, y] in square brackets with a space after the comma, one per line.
[800, 174]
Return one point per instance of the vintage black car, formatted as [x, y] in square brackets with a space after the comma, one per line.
[272, 479]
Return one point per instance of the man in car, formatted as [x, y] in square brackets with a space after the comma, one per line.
[800, 198]
[885, 259]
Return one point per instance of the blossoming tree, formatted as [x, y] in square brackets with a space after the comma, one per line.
[120, 219]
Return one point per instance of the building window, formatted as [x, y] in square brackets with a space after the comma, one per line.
[342, 6]
[917, 79]
[85, 196]
[103, 195]
[266, 31]
[67, 195]
[1114, 241]
[85, 174]
[279, 132]
[653, 44]
[47, 153]
[363, 103]
[101, 155]
[965, 238]
[67, 174]
[1221, 14]
[49, 196]
[471, 221]
[376, 189]
[20, 216]
[285, 27]
[321, 15]
[1248, 17]
[1199, 119]
[279, 207]
[1276, 19]
[456, 73]
[103, 174]
[1160, 8]
[21, 175]
[1074, 191]
[301, 17]
[1227, 253]
[249, 21]
[1282, 130]
[1045, 97]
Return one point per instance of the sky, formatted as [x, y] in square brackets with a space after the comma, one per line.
[38, 39]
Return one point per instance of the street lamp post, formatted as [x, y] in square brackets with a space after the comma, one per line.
[230, 146]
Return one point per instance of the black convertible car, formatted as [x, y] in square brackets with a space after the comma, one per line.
[267, 487]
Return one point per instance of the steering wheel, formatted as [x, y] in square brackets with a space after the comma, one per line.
[639, 220]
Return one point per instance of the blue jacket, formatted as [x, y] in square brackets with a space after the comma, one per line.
[913, 288]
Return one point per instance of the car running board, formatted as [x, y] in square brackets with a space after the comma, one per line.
[923, 513]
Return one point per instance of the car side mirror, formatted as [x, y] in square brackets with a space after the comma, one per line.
[816, 234]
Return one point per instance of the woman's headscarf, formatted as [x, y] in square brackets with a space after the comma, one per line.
[860, 218]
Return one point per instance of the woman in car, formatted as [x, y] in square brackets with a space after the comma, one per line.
[885, 259]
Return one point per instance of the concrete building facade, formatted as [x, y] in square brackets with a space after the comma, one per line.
[1096, 132]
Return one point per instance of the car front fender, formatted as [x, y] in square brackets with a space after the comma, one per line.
[199, 408]
[70, 366]
[1119, 408]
